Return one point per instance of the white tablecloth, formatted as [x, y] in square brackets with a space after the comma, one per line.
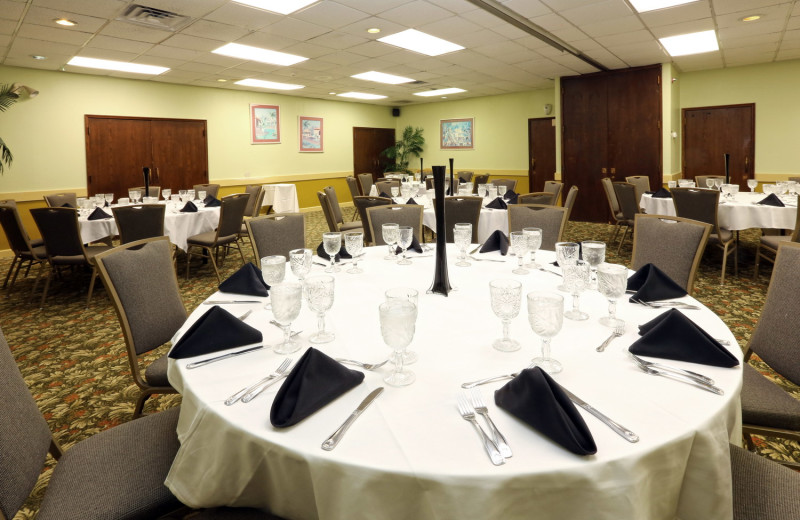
[740, 213]
[282, 198]
[411, 456]
[490, 221]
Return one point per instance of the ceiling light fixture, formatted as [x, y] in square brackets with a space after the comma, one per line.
[268, 84]
[693, 43]
[65, 22]
[360, 95]
[246, 52]
[380, 77]
[439, 92]
[420, 42]
[38, 57]
[278, 6]
[373, 30]
[751, 18]
[642, 6]
[122, 66]
[222, 80]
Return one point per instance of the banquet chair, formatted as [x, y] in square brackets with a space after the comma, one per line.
[550, 219]
[333, 201]
[334, 219]
[702, 204]
[641, 183]
[62, 242]
[210, 189]
[673, 244]
[361, 204]
[569, 200]
[458, 210]
[231, 215]
[510, 184]
[139, 221]
[57, 200]
[479, 179]
[537, 197]
[276, 234]
[768, 245]
[762, 489]
[795, 179]
[365, 180]
[628, 206]
[613, 205]
[386, 185]
[700, 180]
[20, 243]
[465, 176]
[352, 184]
[402, 214]
[152, 191]
[255, 197]
[117, 473]
[768, 409]
[554, 187]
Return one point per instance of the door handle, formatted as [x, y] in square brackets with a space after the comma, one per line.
[604, 171]
[613, 171]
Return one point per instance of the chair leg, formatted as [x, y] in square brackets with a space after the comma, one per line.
[188, 258]
[240, 252]
[16, 273]
[724, 263]
[137, 410]
[91, 286]
[214, 263]
[46, 288]
[622, 240]
[758, 261]
[11, 268]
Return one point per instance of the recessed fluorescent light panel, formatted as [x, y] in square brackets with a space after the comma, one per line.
[420, 42]
[694, 43]
[278, 6]
[268, 84]
[643, 6]
[380, 77]
[121, 66]
[439, 92]
[361, 95]
[246, 52]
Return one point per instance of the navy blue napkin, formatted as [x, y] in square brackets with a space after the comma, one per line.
[341, 254]
[771, 200]
[385, 195]
[671, 335]
[535, 398]
[412, 201]
[247, 280]
[497, 241]
[98, 214]
[652, 284]
[189, 208]
[415, 246]
[67, 205]
[314, 382]
[511, 196]
[497, 203]
[211, 202]
[216, 330]
[662, 193]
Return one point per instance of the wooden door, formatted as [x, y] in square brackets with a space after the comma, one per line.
[368, 147]
[541, 152]
[711, 132]
[180, 153]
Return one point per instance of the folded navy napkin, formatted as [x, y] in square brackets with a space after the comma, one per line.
[107, 205]
[535, 398]
[189, 208]
[385, 195]
[651, 284]
[662, 193]
[497, 203]
[671, 335]
[216, 330]
[98, 214]
[341, 254]
[211, 202]
[411, 201]
[415, 246]
[497, 241]
[247, 280]
[511, 196]
[315, 381]
[66, 205]
[771, 200]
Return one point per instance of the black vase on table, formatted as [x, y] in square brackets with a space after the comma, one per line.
[441, 282]
[421, 172]
[451, 190]
[146, 173]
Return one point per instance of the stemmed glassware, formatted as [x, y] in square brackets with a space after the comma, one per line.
[576, 279]
[612, 280]
[395, 190]
[405, 294]
[710, 182]
[319, 295]
[519, 245]
[462, 235]
[398, 322]
[501, 190]
[273, 269]
[404, 238]
[332, 243]
[354, 245]
[109, 198]
[567, 253]
[391, 234]
[300, 262]
[594, 252]
[482, 191]
[166, 192]
[191, 194]
[546, 315]
[718, 183]
[506, 298]
[201, 197]
[287, 298]
[534, 243]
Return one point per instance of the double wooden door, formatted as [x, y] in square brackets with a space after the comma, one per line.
[368, 147]
[117, 148]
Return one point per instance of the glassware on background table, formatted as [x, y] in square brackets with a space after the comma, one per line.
[671, 184]
[594, 252]
[710, 182]
[506, 298]
[201, 196]
[546, 316]
[718, 183]
[273, 269]
[612, 280]
[398, 322]
[332, 243]
[287, 299]
[534, 235]
[491, 191]
[501, 189]
[405, 294]
[405, 191]
[462, 235]
[99, 200]
[354, 245]
[519, 245]
[166, 193]
[191, 194]
[319, 295]
[395, 190]
[576, 280]
[391, 234]
[109, 198]
[567, 253]
[404, 238]
[183, 194]
[300, 262]
[482, 191]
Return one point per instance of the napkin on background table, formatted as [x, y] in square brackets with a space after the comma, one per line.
[385, 195]
[98, 214]
[652, 284]
[671, 335]
[497, 241]
[212, 202]
[189, 208]
[535, 398]
[771, 200]
[497, 203]
[247, 280]
[216, 330]
[314, 382]
[511, 196]
[341, 254]
[412, 201]
[66, 205]
[415, 246]
[662, 193]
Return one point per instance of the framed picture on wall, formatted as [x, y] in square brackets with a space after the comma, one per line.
[310, 134]
[265, 124]
[457, 134]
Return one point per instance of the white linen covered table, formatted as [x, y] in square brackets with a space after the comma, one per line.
[282, 198]
[411, 456]
[490, 221]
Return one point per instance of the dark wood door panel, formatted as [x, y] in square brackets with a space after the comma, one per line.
[180, 153]
[368, 145]
[115, 152]
[541, 152]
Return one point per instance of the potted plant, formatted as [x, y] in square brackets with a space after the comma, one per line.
[10, 94]
[410, 145]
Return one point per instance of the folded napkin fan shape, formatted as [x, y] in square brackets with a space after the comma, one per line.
[189, 208]
[671, 335]
[652, 284]
[511, 196]
[497, 241]
[772, 200]
[385, 195]
[315, 381]
[216, 330]
[212, 202]
[662, 193]
[341, 254]
[535, 398]
[497, 203]
[412, 201]
[246, 280]
[98, 214]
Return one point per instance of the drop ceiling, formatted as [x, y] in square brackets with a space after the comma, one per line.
[499, 57]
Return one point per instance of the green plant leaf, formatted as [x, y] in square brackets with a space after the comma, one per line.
[5, 155]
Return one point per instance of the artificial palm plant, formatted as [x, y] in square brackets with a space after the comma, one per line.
[409, 145]
[10, 94]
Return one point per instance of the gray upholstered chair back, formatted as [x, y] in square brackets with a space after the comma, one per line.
[365, 179]
[402, 214]
[276, 234]
[696, 204]
[24, 436]
[231, 214]
[385, 186]
[537, 197]
[210, 189]
[626, 196]
[673, 244]
[255, 194]
[465, 176]
[510, 184]
[700, 180]
[569, 200]
[479, 179]
[12, 225]
[465, 210]
[641, 183]
[613, 203]
[152, 191]
[554, 187]
[60, 230]
[361, 204]
[550, 219]
[333, 201]
[326, 210]
[139, 221]
[352, 185]
[57, 200]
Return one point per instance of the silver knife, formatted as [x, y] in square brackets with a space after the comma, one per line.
[334, 439]
[224, 356]
[473, 251]
[222, 302]
[618, 428]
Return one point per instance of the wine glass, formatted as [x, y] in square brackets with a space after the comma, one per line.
[576, 279]
[462, 234]
[391, 234]
[166, 192]
[332, 243]
[567, 253]
[354, 245]
[132, 196]
[109, 198]
[300, 262]
[404, 239]
[546, 315]
[491, 191]
[395, 190]
[594, 252]
[482, 191]
[191, 194]
[405, 191]
[534, 235]
[501, 190]
[710, 182]
[201, 196]
[398, 321]
[319, 295]
[519, 245]
[287, 298]
[405, 294]
[183, 194]
[506, 297]
[612, 280]
[718, 183]
[752, 184]
[273, 269]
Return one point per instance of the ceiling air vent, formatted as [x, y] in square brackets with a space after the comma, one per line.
[418, 82]
[153, 18]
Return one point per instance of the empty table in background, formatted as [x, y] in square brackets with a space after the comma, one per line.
[282, 198]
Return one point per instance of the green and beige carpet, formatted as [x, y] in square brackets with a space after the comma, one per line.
[75, 363]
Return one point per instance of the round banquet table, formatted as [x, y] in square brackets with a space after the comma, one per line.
[411, 455]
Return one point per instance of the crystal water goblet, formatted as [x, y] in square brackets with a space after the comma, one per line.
[506, 299]
[671, 184]
[405, 191]
[131, 196]
[462, 235]
[319, 295]
[546, 316]
[534, 235]
[166, 193]
[612, 280]
[710, 182]
[109, 198]
[576, 280]
[354, 245]
[391, 234]
[191, 194]
[482, 191]
[501, 190]
[594, 252]
[395, 191]
[519, 245]
[491, 191]
[332, 243]
[273, 269]
[405, 294]
[752, 184]
[404, 238]
[567, 253]
[287, 299]
[300, 262]
[718, 183]
[201, 196]
[398, 322]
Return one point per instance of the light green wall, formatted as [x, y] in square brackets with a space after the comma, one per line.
[671, 121]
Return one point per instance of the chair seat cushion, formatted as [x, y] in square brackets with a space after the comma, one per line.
[38, 252]
[92, 251]
[349, 226]
[725, 235]
[762, 489]
[209, 239]
[764, 403]
[773, 241]
[118, 473]
[156, 372]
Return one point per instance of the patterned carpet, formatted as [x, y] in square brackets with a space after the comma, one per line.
[74, 359]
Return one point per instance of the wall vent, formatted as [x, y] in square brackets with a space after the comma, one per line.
[153, 18]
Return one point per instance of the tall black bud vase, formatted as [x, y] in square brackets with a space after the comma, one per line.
[146, 173]
[441, 282]
[452, 189]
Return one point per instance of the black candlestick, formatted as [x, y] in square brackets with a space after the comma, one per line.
[441, 282]
[727, 157]
[146, 173]
[421, 171]
[452, 190]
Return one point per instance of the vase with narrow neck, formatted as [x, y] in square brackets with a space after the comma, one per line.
[451, 190]
[146, 173]
[421, 171]
[441, 282]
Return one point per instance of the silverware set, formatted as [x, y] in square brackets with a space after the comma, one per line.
[666, 304]
[365, 366]
[249, 393]
[468, 414]
[473, 384]
[678, 374]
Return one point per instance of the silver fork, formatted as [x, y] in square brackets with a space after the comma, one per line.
[664, 304]
[688, 373]
[481, 409]
[677, 377]
[466, 412]
[256, 390]
[619, 330]
[365, 366]
[278, 371]
[473, 384]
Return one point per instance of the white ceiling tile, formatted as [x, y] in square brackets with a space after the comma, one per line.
[482, 37]
[450, 28]
[616, 26]
[372, 49]
[598, 12]
[267, 40]
[118, 44]
[158, 61]
[331, 14]
[483, 18]
[47, 17]
[628, 38]
[294, 28]
[337, 40]
[342, 58]
[677, 14]
[104, 8]
[552, 22]
[701, 24]
[307, 50]
[218, 60]
[763, 41]
[28, 46]
[7, 26]
[243, 16]
[569, 34]
[27, 62]
[135, 32]
[415, 14]
[372, 6]
[752, 29]
[527, 8]
[194, 8]
[221, 31]
[172, 52]
[732, 6]
[769, 15]
[193, 43]
[199, 67]
[107, 54]
[11, 10]
[53, 34]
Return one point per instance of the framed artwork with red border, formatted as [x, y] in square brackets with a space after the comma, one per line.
[265, 124]
[457, 134]
[311, 134]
